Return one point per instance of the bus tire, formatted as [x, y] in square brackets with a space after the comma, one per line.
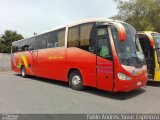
[23, 72]
[76, 81]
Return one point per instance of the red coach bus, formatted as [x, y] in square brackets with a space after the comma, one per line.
[100, 53]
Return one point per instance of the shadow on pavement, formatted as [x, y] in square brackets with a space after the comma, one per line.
[116, 96]
[153, 83]
[90, 90]
[50, 81]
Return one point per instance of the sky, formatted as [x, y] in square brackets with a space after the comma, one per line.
[29, 16]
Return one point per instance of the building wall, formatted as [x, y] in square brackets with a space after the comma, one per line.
[5, 62]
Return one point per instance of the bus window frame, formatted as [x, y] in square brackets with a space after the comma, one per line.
[109, 42]
[31, 48]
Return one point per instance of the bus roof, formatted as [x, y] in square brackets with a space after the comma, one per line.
[149, 35]
[70, 25]
[146, 32]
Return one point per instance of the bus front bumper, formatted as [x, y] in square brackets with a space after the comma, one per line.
[130, 85]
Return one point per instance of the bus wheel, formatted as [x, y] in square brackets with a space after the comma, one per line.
[23, 72]
[76, 80]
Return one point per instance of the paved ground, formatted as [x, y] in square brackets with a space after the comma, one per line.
[37, 95]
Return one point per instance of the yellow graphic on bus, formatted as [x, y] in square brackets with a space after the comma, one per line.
[20, 60]
[24, 60]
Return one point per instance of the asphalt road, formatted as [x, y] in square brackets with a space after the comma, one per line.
[38, 95]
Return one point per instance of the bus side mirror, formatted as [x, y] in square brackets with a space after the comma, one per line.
[121, 31]
[122, 35]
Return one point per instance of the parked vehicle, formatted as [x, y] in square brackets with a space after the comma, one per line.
[101, 53]
[150, 42]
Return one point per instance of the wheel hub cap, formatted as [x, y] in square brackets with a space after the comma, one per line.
[76, 80]
[23, 72]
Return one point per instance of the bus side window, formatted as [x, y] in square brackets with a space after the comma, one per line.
[83, 37]
[49, 44]
[14, 49]
[87, 37]
[73, 37]
[43, 42]
[35, 44]
[40, 42]
[19, 49]
[51, 39]
[61, 38]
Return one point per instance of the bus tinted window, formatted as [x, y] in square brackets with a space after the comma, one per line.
[87, 37]
[22, 45]
[52, 39]
[85, 31]
[56, 38]
[19, 49]
[82, 36]
[40, 42]
[73, 36]
[14, 49]
[25, 47]
[61, 37]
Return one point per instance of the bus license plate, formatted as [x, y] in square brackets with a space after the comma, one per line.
[139, 83]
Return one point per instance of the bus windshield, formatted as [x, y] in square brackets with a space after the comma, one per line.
[156, 38]
[128, 51]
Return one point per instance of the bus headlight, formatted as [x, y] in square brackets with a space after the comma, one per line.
[122, 76]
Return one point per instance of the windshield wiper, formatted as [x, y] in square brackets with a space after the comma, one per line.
[134, 61]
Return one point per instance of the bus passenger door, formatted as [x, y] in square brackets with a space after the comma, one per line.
[149, 55]
[104, 60]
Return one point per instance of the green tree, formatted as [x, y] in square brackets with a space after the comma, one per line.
[6, 40]
[142, 14]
